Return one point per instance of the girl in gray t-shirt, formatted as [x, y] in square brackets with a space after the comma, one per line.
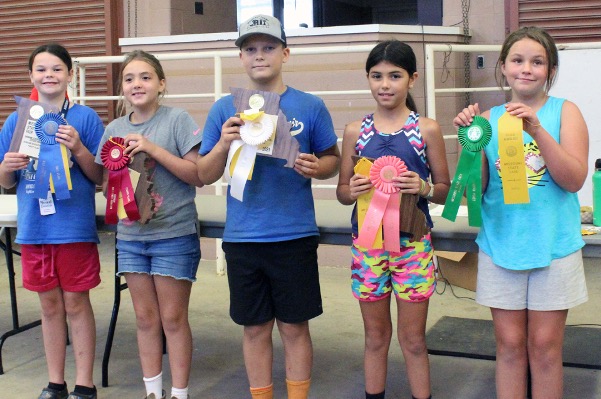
[158, 254]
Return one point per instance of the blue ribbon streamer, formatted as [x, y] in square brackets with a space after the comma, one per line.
[50, 161]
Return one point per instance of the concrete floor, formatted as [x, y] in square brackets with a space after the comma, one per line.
[218, 368]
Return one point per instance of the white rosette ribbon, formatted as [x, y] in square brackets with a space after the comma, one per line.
[257, 129]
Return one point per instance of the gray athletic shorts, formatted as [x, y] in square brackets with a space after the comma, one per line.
[559, 286]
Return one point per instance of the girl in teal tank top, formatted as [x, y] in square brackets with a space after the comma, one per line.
[530, 268]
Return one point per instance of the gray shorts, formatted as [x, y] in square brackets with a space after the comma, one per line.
[556, 287]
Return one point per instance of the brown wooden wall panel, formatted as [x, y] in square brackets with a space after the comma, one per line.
[79, 25]
[567, 21]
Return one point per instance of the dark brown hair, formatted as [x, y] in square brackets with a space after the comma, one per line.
[54, 49]
[397, 53]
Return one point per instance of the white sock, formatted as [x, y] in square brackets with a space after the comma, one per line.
[179, 393]
[154, 385]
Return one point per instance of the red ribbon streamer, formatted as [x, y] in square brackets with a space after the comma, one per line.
[115, 160]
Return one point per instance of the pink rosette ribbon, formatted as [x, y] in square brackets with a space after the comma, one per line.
[385, 204]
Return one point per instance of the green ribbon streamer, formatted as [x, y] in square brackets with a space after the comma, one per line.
[468, 177]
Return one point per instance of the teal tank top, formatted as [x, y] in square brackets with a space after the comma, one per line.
[528, 236]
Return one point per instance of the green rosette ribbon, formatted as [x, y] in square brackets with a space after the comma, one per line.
[468, 177]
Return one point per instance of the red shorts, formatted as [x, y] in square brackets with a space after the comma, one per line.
[75, 267]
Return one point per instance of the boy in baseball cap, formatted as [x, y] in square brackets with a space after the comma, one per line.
[270, 238]
[261, 24]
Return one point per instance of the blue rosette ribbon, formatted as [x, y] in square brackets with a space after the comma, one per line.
[53, 163]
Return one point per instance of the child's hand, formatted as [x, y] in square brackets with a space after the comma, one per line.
[230, 131]
[69, 136]
[359, 185]
[409, 182]
[466, 116]
[525, 113]
[14, 161]
[307, 165]
[136, 143]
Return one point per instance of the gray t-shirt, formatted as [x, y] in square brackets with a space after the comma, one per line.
[174, 130]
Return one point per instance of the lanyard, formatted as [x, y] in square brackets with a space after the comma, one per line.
[65, 108]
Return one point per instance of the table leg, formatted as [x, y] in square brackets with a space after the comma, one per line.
[113, 323]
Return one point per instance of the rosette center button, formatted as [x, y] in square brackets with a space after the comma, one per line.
[116, 154]
[474, 133]
[387, 173]
[256, 129]
[50, 128]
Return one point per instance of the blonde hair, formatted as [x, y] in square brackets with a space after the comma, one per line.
[148, 58]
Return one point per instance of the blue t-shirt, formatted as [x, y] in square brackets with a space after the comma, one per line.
[278, 202]
[528, 236]
[75, 218]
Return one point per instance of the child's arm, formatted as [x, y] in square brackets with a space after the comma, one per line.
[13, 161]
[350, 185]
[69, 136]
[321, 165]
[183, 168]
[210, 167]
[105, 180]
[437, 159]
[567, 160]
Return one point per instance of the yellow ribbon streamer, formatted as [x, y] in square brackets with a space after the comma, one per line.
[362, 167]
[512, 164]
[65, 158]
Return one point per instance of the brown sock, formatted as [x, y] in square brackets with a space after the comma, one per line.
[262, 393]
[298, 389]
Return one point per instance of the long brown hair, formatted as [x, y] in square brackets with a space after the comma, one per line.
[148, 58]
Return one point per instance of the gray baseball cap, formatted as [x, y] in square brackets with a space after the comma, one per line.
[261, 24]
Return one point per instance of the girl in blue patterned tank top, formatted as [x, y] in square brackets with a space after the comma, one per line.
[395, 128]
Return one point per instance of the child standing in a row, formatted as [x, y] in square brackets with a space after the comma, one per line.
[530, 289]
[270, 239]
[58, 238]
[395, 129]
[159, 259]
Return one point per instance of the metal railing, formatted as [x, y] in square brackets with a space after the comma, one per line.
[217, 56]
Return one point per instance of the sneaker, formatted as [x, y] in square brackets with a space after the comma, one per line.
[49, 393]
[153, 396]
[173, 397]
[74, 395]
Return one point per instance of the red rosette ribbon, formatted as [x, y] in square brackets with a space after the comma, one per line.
[115, 160]
[385, 204]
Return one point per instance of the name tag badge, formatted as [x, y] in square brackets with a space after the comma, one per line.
[47, 205]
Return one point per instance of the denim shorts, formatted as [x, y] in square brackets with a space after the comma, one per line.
[176, 257]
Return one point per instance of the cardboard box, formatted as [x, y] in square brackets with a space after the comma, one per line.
[460, 269]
